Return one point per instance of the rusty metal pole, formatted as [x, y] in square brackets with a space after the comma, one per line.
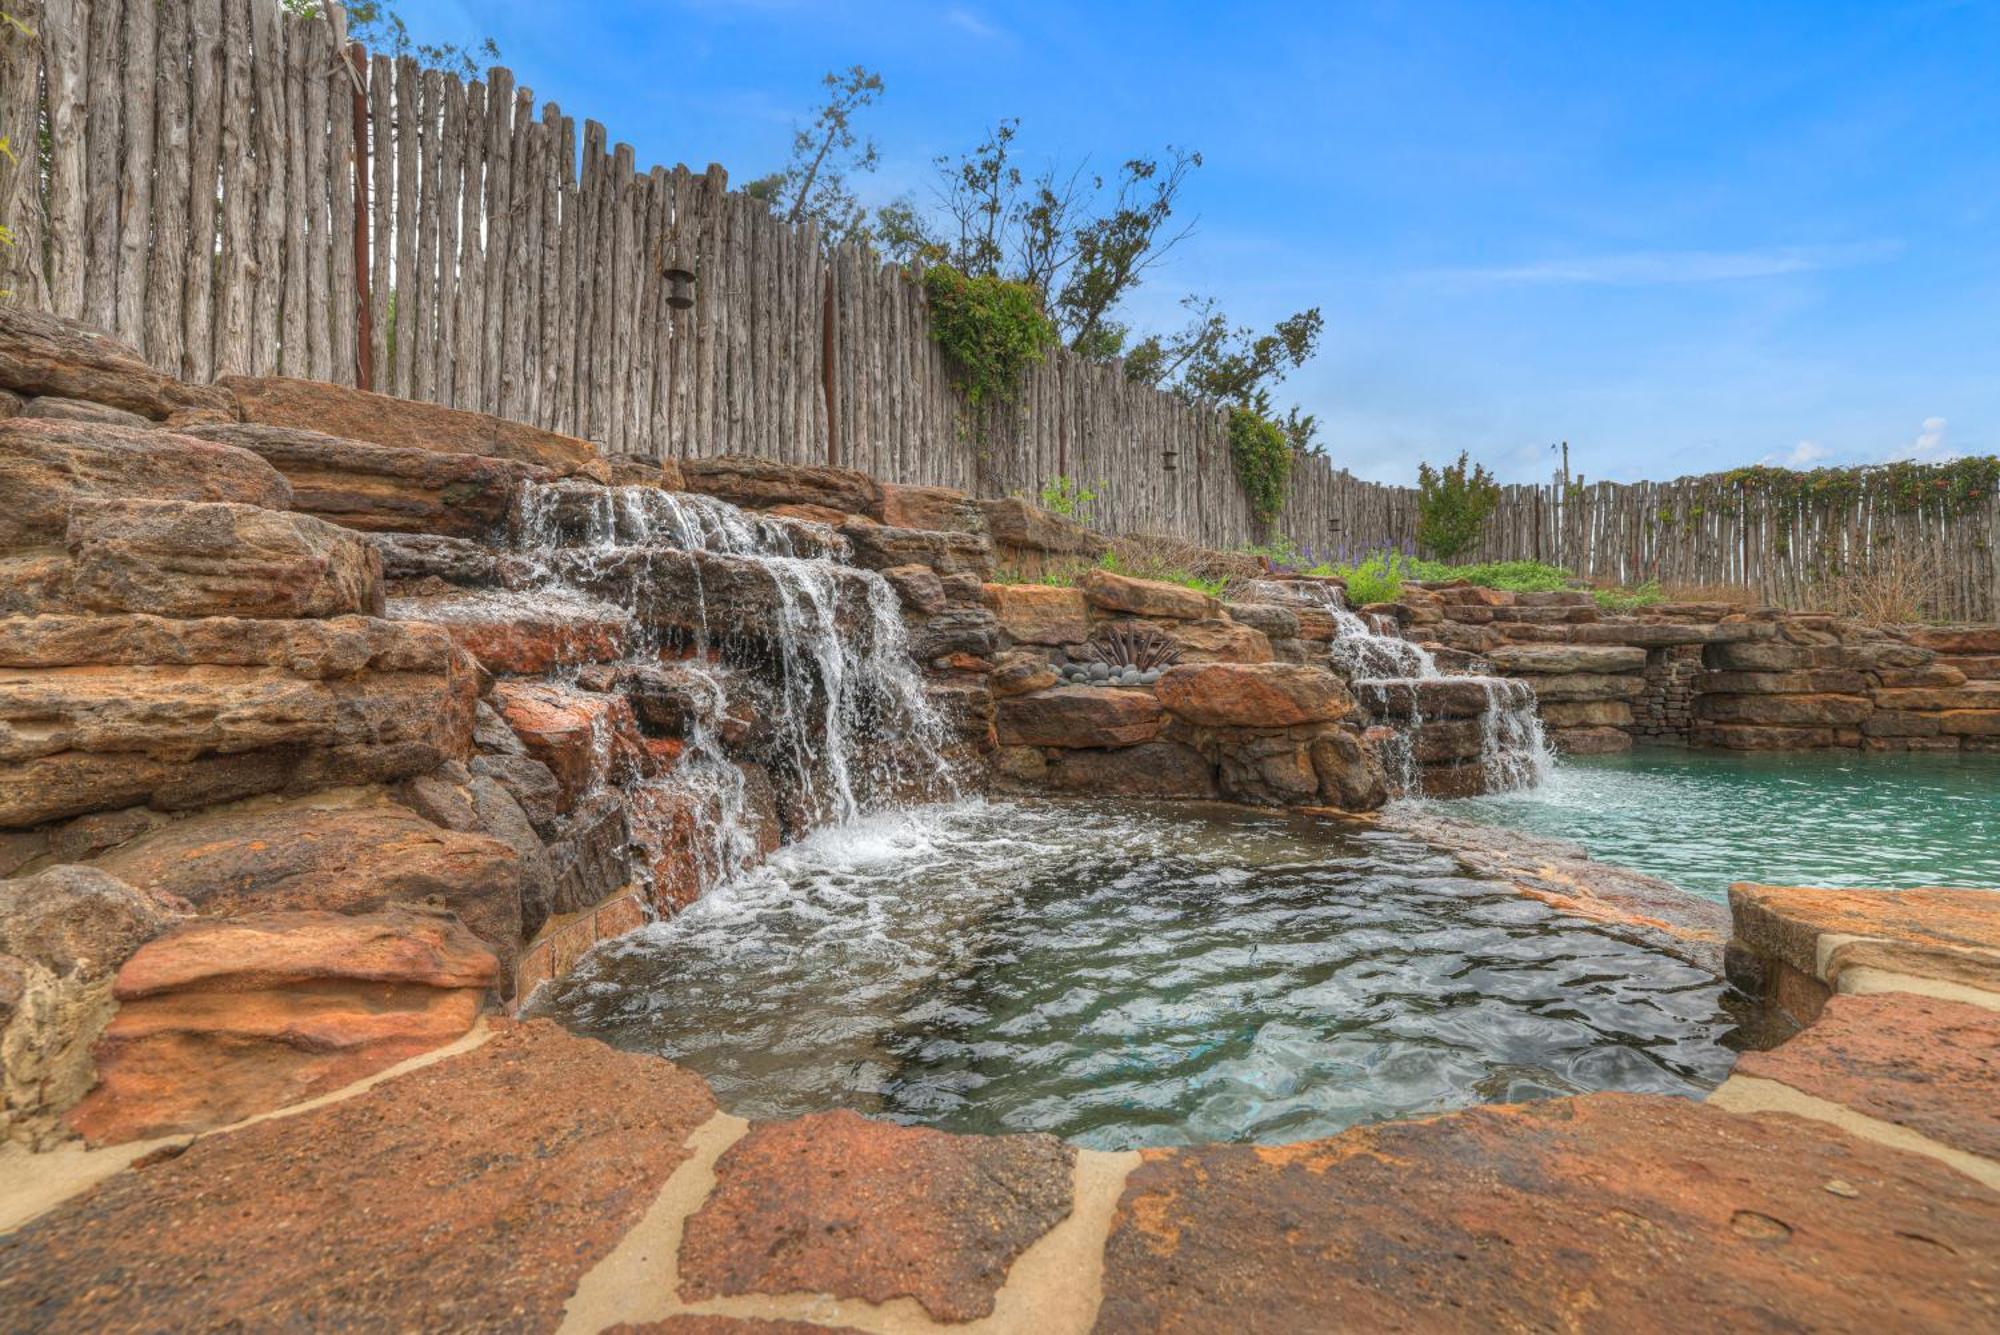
[826, 333]
[364, 329]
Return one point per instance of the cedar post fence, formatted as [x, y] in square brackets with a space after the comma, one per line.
[227, 192]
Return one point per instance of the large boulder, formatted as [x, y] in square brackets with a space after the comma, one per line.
[1018, 527]
[46, 468]
[63, 933]
[1586, 686]
[523, 634]
[588, 739]
[736, 603]
[1038, 613]
[99, 713]
[1349, 771]
[760, 483]
[1080, 717]
[932, 508]
[217, 558]
[358, 414]
[344, 852]
[218, 1021]
[1253, 695]
[1149, 770]
[1218, 640]
[948, 552]
[43, 354]
[386, 488]
[1145, 597]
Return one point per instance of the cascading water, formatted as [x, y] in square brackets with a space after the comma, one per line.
[1513, 750]
[846, 724]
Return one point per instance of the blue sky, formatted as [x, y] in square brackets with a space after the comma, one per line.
[1680, 236]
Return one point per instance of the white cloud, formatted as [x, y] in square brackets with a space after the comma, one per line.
[1656, 267]
[1930, 446]
[1805, 454]
[971, 23]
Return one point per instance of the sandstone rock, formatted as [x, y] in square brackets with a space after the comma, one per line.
[917, 587]
[1349, 772]
[212, 558]
[1792, 710]
[1801, 681]
[1977, 668]
[46, 468]
[1020, 671]
[1587, 713]
[1038, 613]
[1955, 639]
[1145, 597]
[531, 784]
[1644, 634]
[1900, 723]
[53, 409]
[1148, 770]
[222, 1020]
[1080, 717]
[43, 354]
[1270, 619]
[1973, 695]
[10, 404]
[761, 483]
[587, 740]
[1018, 526]
[732, 602]
[1441, 697]
[1952, 935]
[1253, 695]
[80, 920]
[969, 631]
[34, 583]
[1264, 768]
[1969, 723]
[810, 514]
[434, 557]
[834, 1203]
[1545, 615]
[387, 488]
[1766, 737]
[555, 1144]
[1585, 685]
[364, 705]
[1665, 1211]
[358, 415]
[523, 634]
[1550, 659]
[358, 856]
[1218, 640]
[589, 850]
[1764, 656]
[931, 508]
[453, 798]
[576, 513]
[880, 547]
[1605, 741]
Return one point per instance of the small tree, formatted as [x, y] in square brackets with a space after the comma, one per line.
[1453, 505]
[813, 184]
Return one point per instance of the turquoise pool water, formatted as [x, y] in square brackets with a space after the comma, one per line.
[1702, 819]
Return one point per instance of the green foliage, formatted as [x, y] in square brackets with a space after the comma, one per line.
[1375, 579]
[993, 330]
[1212, 586]
[12, 29]
[1070, 498]
[1648, 594]
[1453, 504]
[1379, 578]
[1263, 458]
[1954, 487]
[813, 185]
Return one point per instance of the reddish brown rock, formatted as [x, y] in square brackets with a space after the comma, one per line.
[46, 354]
[1606, 1212]
[1019, 528]
[1790, 710]
[1145, 597]
[471, 1195]
[586, 739]
[218, 1021]
[1019, 671]
[1973, 695]
[1604, 741]
[687, 1324]
[919, 588]
[1932, 1066]
[1150, 769]
[1802, 681]
[931, 508]
[1080, 716]
[834, 1203]
[523, 634]
[74, 919]
[46, 468]
[1349, 770]
[1555, 659]
[1219, 640]
[385, 488]
[1587, 713]
[212, 558]
[357, 857]
[1765, 737]
[1586, 686]
[1932, 933]
[880, 547]
[761, 483]
[1955, 639]
[1254, 695]
[1038, 613]
[357, 414]
[1969, 722]
[1764, 656]
[1439, 697]
[56, 409]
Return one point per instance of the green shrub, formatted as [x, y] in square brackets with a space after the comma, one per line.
[1210, 585]
[1453, 504]
[1070, 498]
[1648, 594]
[993, 331]
[1376, 579]
[1512, 576]
[1263, 459]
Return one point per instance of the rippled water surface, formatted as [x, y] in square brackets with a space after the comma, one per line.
[1702, 819]
[1133, 976]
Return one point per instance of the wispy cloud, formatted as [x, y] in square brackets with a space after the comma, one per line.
[1656, 267]
[1805, 454]
[967, 21]
[1931, 445]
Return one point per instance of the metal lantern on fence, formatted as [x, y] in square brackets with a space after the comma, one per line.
[1170, 461]
[680, 285]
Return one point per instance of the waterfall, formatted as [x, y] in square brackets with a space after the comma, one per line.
[1513, 750]
[846, 727]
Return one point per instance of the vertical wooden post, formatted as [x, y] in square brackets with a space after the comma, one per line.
[364, 324]
[826, 333]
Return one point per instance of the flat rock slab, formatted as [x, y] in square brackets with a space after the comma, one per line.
[470, 1195]
[525, 634]
[1606, 1212]
[1932, 1066]
[834, 1203]
[1952, 935]
[693, 1324]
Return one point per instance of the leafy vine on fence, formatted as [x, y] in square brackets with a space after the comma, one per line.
[993, 331]
[1263, 458]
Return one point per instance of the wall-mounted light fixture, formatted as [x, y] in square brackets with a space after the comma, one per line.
[680, 285]
[1170, 461]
